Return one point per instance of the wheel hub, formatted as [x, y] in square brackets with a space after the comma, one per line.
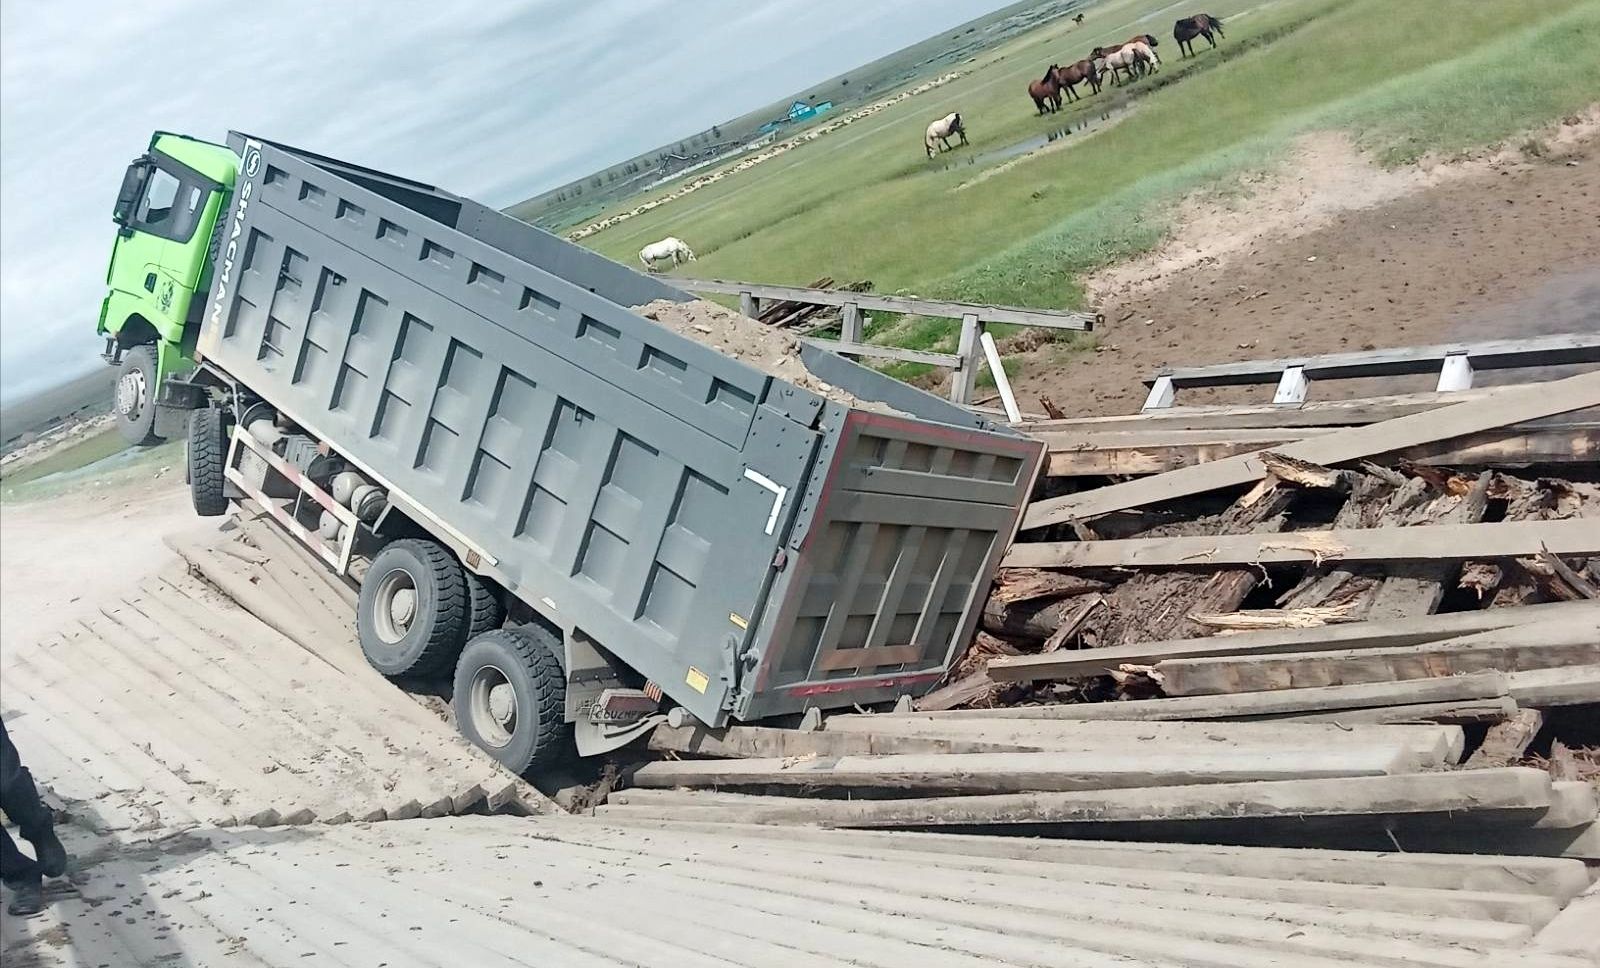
[492, 704]
[396, 606]
[131, 393]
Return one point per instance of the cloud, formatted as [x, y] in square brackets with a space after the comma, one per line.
[495, 101]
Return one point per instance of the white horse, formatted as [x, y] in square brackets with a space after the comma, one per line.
[1126, 59]
[940, 131]
[670, 247]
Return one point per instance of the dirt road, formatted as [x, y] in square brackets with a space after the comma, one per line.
[1509, 248]
[60, 555]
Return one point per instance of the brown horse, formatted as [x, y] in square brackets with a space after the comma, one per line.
[1199, 25]
[1046, 92]
[1139, 38]
[1069, 77]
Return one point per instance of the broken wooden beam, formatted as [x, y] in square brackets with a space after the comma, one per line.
[1053, 770]
[1503, 407]
[1574, 640]
[1505, 743]
[1436, 542]
[1354, 635]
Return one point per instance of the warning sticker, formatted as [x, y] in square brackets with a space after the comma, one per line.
[697, 680]
[738, 620]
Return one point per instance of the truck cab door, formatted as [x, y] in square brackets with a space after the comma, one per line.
[158, 261]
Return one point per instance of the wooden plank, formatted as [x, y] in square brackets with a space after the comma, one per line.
[1505, 742]
[1048, 319]
[1433, 745]
[1514, 793]
[1434, 542]
[1354, 635]
[1575, 685]
[1462, 712]
[759, 741]
[1557, 350]
[1417, 589]
[1272, 416]
[1505, 406]
[1487, 685]
[1050, 771]
[1571, 641]
[1573, 442]
[947, 360]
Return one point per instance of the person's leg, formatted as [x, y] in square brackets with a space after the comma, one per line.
[20, 801]
[21, 874]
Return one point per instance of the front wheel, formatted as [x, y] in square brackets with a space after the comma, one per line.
[510, 697]
[135, 405]
[208, 457]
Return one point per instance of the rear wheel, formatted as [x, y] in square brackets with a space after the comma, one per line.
[484, 611]
[510, 697]
[135, 405]
[413, 611]
[207, 455]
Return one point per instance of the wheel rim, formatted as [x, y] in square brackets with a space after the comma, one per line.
[395, 606]
[131, 394]
[492, 704]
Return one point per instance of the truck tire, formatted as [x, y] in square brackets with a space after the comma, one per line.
[511, 695]
[484, 613]
[207, 455]
[411, 617]
[135, 402]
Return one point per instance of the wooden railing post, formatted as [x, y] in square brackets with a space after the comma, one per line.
[850, 324]
[964, 379]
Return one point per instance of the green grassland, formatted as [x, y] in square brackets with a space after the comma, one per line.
[1404, 78]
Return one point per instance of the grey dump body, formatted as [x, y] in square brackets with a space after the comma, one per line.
[746, 545]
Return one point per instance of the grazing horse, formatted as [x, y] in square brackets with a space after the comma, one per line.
[1069, 77]
[1147, 57]
[940, 132]
[1140, 39]
[670, 247]
[1046, 92]
[1078, 19]
[1200, 25]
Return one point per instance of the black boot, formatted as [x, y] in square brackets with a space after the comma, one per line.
[27, 898]
[52, 857]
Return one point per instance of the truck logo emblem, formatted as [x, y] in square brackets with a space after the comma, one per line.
[230, 252]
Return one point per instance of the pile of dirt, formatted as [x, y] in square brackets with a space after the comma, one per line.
[770, 350]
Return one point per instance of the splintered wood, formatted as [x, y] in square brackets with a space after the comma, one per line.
[1307, 542]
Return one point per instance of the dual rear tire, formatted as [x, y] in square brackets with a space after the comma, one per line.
[421, 613]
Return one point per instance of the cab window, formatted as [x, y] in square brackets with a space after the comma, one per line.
[170, 207]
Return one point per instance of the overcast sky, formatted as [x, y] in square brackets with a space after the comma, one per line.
[496, 100]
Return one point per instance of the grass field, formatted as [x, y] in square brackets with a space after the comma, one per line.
[1405, 79]
[102, 460]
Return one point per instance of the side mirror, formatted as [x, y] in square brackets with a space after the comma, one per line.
[133, 181]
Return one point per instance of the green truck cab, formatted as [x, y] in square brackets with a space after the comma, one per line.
[166, 214]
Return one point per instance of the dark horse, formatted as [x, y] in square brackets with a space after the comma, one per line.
[1200, 25]
[1068, 78]
[1046, 92]
[1147, 38]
